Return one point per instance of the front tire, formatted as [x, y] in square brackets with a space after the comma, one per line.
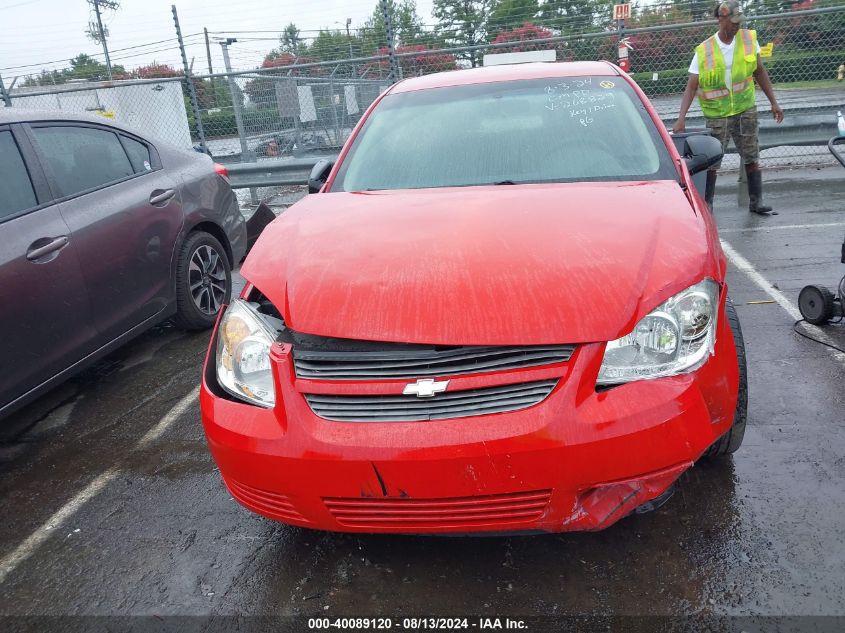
[732, 440]
[203, 281]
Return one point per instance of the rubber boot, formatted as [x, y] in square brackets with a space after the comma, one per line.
[755, 194]
[710, 189]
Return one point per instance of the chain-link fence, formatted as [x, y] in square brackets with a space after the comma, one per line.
[801, 50]
[319, 103]
[156, 107]
[269, 116]
[296, 106]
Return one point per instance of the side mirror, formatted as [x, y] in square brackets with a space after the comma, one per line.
[319, 175]
[701, 151]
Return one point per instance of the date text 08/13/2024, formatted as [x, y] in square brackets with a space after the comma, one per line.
[415, 624]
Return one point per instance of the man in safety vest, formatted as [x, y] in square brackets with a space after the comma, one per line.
[722, 74]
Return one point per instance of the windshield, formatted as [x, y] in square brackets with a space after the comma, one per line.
[565, 129]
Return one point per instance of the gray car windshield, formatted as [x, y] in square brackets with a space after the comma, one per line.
[566, 129]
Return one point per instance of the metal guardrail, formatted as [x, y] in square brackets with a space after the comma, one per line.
[812, 129]
[272, 173]
[796, 130]
[800, 130]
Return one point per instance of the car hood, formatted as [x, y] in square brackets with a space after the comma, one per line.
[525, 264]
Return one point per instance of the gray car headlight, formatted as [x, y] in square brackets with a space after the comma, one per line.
[676, 337]
[243, 355]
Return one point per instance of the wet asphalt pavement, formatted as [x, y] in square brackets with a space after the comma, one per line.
[152, 531]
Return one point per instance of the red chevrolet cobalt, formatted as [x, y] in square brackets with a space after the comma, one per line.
[503, 310]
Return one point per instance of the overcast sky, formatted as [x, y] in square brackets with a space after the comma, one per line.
[36, 32]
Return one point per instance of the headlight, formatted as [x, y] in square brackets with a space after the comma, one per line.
[676, 337]
[243, 355]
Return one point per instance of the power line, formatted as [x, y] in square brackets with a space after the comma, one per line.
[96, 55]
[160, 50]
[128, 48]
[19, 4]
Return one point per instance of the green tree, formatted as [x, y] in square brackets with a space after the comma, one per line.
[506, 15]
[45, 78]
[463, 23]
[572, 16]
[407, 22]
[762, 7]
[86, 67]
[407, 26]
[329, 46]
[291, 42]
[82, 67]
[700, 9]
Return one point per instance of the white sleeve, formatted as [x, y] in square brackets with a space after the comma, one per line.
[693, 67]
[757, 42]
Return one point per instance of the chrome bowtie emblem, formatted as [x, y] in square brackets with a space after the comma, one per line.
[426, 388]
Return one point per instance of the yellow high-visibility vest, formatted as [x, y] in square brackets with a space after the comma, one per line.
[713, 94]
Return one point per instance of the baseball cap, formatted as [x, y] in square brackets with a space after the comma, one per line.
[730, 9]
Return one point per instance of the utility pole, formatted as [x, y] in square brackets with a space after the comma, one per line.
[233, 88]
[5, 95]
[348, 36]
[100, 34]
[210, 68]
[208, 52]
[190, 82]
[246, 157]
[395, 69]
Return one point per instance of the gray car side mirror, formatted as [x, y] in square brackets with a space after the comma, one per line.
[701, 151]
[319, 175]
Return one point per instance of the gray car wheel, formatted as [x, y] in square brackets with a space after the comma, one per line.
[203, 281]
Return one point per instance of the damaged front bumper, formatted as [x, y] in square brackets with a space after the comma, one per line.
[580, 460]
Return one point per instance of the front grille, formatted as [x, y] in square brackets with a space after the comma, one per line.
[397, 361]
[457, 404]
[272, 504]
[439, 513]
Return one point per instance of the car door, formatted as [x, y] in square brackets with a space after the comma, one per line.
[45, 318]
[124, 213]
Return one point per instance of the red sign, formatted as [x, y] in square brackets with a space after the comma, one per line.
[621, 11]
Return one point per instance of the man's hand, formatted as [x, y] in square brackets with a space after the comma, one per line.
[680, 125]
[777, 113]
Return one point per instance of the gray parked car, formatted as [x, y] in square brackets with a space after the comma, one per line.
[103, 234]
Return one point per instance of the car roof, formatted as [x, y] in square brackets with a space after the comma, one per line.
[21, 115]
[506, 72]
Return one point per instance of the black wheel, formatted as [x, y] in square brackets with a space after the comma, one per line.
[203, 281]
[732, 440]
[816, 304]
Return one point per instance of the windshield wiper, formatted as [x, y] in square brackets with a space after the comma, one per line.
[505, 182]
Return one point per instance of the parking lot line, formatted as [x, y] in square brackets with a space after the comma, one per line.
[784, 227]
[154, 433]
[23, 551]
[46, 530]
[743, 265]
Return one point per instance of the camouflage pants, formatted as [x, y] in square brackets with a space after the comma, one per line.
[742, 128]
